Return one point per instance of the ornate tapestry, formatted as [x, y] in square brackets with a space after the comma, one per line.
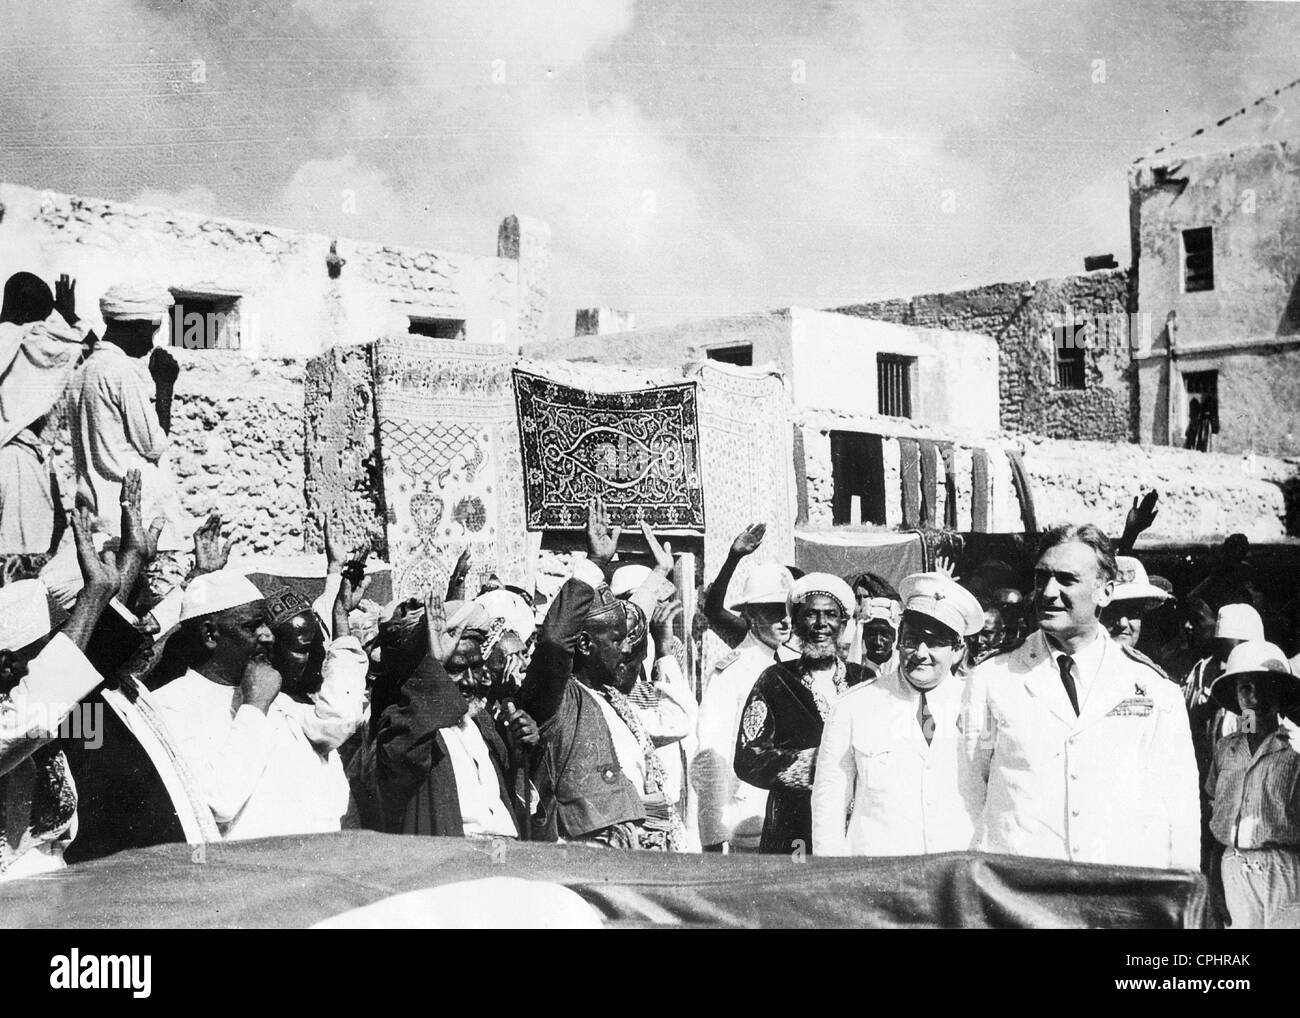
[450, 455]
[746, 441]
[638, 450]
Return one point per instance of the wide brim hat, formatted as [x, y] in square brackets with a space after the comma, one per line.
[767, 583]
[1238, 622]
[1257, 658]
[941, 598]
[1132, 584]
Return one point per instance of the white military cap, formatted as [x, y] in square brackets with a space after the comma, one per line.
[940, 597]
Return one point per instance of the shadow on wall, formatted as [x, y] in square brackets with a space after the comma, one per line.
[1291, 492]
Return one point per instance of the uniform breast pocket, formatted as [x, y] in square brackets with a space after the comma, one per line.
[878, 767]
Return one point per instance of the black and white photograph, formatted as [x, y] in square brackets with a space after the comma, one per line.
[648, 464]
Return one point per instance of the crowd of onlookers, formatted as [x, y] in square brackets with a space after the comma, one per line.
[1067, 706]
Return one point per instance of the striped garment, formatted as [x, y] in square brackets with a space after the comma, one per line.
[1256, 798]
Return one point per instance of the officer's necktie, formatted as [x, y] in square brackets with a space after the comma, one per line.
[925, 719]
[1067, 680]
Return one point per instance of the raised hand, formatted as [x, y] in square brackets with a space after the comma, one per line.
[98, 570]
[661, 622]
[163, 367]
[136, 540]
[602, 540]
[65, 298]
[1142, 514]
[461, 569]
[663, 554]
[338, 555]
[748, 540]
[350, 594]
[209, 554]
[943, 564]
[442, 640]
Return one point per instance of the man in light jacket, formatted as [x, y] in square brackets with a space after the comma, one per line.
[1081, 743]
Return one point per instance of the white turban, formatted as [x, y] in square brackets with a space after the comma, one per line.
[811, 584]
[129, 302]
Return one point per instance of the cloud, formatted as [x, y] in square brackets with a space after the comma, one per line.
[504, 125]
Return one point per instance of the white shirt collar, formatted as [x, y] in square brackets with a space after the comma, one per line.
[1087, 662]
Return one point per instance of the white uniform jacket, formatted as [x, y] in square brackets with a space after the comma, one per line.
[729, 809]
[906, 795]
[1117, 784]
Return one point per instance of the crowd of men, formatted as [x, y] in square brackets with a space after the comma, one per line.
[849, 718]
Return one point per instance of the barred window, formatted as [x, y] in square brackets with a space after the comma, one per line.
[1070, 342]
[894, 385]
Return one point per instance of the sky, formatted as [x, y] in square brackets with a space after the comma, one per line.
[693, 158]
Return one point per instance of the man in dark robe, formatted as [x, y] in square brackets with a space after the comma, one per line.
[585, 794]
[781, 725]
[442, 768]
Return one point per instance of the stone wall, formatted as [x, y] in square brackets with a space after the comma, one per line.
[237, 447]
[1202, 495]
[1020, 317]
[290, 302]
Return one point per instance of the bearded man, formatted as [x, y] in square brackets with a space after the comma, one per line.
[781, 725]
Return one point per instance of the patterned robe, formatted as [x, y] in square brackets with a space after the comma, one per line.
[776, 748]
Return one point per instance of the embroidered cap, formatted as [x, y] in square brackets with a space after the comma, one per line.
[283, 604]
[941, 598]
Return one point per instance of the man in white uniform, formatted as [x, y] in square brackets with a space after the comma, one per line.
[730, 810]
[1082, 744]
[890, 752]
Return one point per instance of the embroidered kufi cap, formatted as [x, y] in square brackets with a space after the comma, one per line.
[283, 604]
